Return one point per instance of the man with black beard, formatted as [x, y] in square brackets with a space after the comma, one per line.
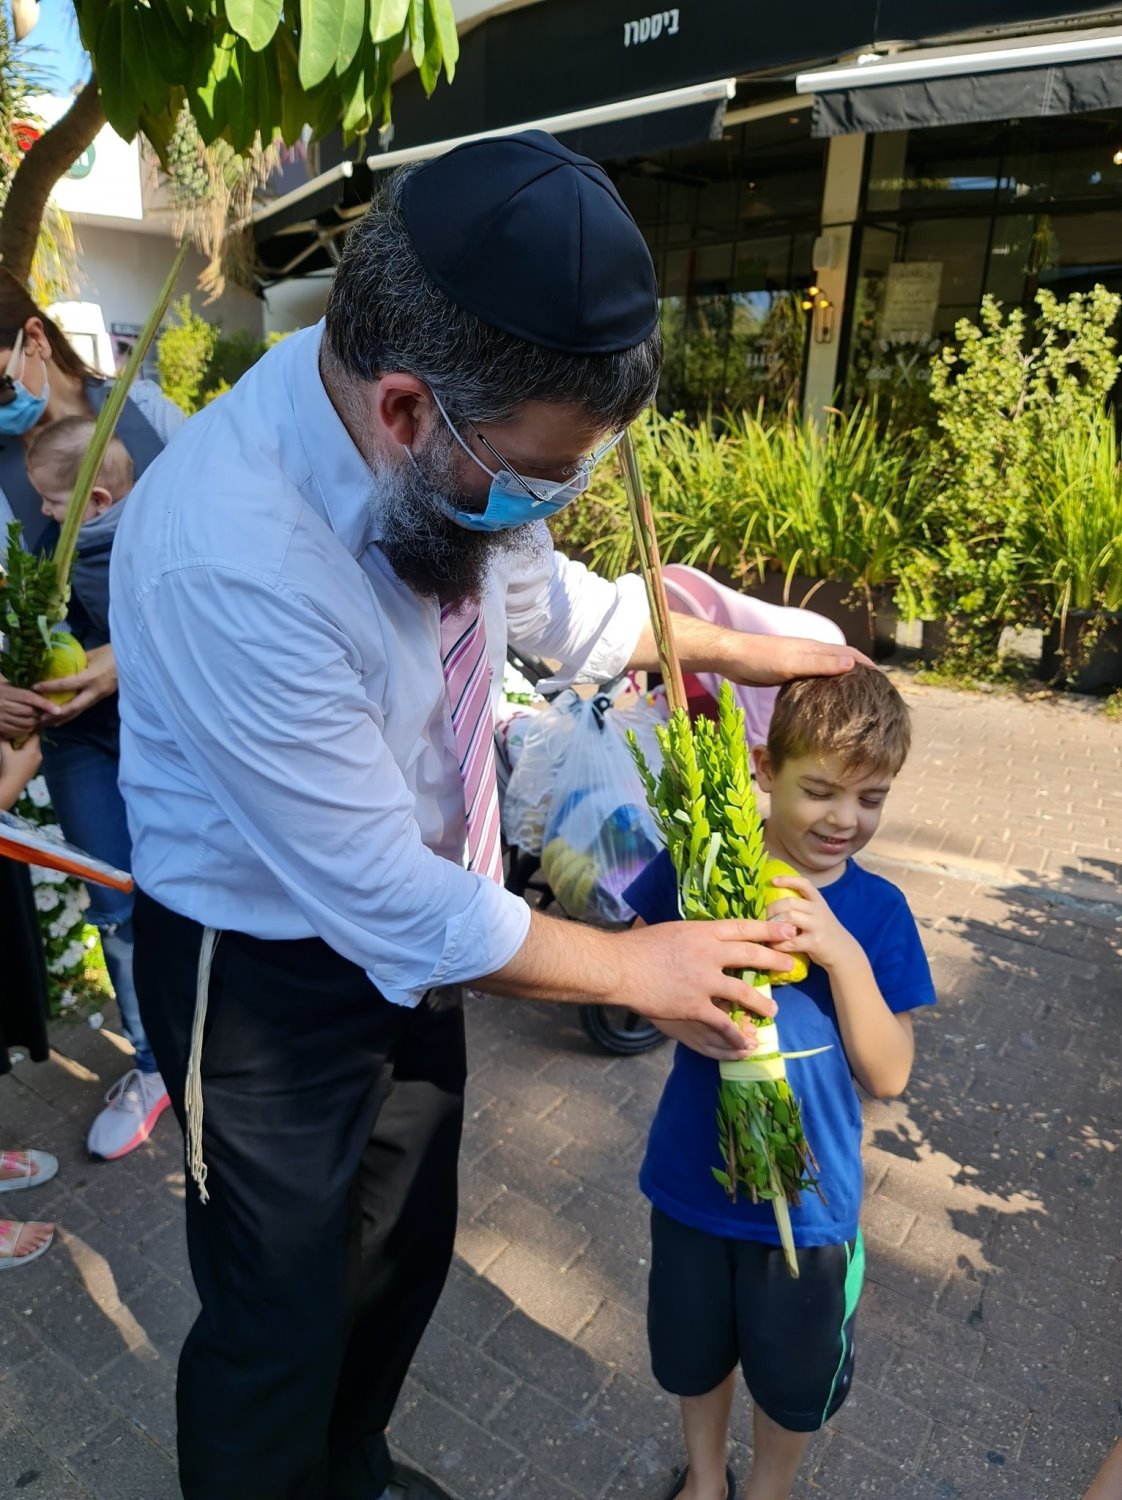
[313, 592]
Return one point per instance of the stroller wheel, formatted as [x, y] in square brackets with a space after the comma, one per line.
[618, 1030]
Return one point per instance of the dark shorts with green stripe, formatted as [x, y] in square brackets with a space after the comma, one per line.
[715, 1303]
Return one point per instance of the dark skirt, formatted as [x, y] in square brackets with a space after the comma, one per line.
[23, 972]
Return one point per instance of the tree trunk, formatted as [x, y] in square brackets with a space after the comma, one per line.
[53, 153]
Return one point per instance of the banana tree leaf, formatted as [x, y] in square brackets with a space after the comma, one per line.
[254, 20]
[387, 19]
[329, 38]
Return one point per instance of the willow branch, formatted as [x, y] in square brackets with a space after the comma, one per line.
[102, 433]
[650, 564]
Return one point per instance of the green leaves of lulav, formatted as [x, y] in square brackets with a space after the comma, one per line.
[705, 807]
[259, 67]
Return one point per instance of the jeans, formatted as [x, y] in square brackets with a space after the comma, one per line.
[82, 779]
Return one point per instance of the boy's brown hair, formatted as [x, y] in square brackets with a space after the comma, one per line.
[857, 718]
[56, 452]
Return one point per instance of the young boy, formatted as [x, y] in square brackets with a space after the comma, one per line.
[719, 1290]
[80, 760]
[54, 456]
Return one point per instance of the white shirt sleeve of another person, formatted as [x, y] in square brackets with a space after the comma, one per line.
[558, 609]
[291, 751]
[161, 413]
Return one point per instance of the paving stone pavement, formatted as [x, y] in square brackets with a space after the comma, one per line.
[990, 1334]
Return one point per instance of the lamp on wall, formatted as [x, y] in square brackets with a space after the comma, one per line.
[821, 310]
[1117, 157]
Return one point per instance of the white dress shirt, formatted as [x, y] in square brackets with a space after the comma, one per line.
[287, 754]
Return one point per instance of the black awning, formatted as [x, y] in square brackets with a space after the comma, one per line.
[1060, 89]
[305, 231]
[645, 134]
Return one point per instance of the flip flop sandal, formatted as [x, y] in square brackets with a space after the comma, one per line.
[8, 1256]
[416, 1486]
[680, 1484]
[22, 1162]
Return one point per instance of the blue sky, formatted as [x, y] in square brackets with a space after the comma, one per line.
[54, 49]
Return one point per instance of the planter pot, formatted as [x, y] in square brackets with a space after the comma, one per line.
[840, 603]
[934, 640]
[938, 636]
[886, 617]
[1101, 672]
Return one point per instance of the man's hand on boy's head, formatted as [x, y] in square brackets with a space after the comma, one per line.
[769, 660]
[821, 937]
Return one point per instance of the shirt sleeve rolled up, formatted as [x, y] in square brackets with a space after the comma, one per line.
[559, 609]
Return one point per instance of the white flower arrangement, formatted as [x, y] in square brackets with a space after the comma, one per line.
[37, 794]
[60, 901]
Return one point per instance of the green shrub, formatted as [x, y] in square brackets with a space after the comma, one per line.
[233, 355]
[1004, 402]
[183, 354]
[198, 362]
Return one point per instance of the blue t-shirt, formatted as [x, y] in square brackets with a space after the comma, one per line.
[676, 1174]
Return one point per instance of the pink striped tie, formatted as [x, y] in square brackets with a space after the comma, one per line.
[467, 674]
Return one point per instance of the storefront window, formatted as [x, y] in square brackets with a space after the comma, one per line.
[941, 230]
[1062, 161]
[730, 225]
[955, 168]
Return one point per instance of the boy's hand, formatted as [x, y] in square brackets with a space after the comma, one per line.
[21, 711]
[701, 1038]
[22, 764]
[96, 680]
[821, 937]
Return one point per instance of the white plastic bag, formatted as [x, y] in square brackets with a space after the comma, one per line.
[534, 762]
[598, 832]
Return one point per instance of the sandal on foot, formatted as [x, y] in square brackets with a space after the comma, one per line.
[33, 1168]
[680, 1484]
[10, 1232]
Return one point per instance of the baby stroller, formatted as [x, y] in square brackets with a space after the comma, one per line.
[614, 1028]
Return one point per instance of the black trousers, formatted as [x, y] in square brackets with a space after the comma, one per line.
[331, 1132]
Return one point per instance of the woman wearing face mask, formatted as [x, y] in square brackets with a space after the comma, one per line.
[42, 379]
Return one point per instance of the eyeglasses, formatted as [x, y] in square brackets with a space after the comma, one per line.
[570, 474]
[8, 379]
[538, 490]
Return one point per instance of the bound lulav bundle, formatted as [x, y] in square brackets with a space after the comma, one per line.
[705, 806]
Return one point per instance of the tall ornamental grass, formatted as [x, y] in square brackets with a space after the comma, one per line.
[843, 499]
[1076, 536]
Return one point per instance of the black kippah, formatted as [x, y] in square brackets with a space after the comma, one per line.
[535, 240]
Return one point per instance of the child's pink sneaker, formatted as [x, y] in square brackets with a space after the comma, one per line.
[132, 1107]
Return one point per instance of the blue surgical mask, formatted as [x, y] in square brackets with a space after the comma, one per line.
[515, 499]
[22, 410]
